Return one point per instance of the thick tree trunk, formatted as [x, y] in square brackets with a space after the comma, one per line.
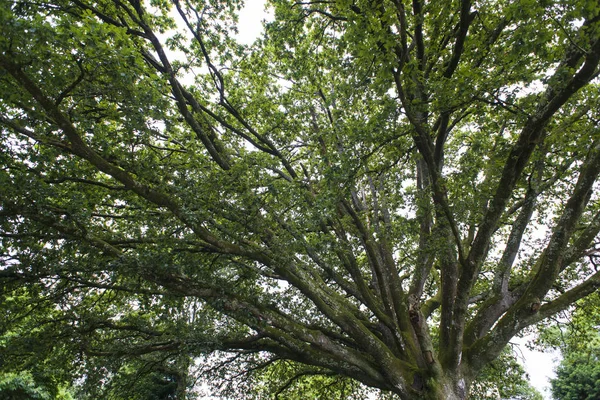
[440, 389]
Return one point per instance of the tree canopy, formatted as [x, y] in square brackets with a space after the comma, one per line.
[377, 191]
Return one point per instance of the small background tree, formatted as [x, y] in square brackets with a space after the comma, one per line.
[577, 335]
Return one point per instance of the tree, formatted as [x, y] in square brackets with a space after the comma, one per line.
[379, 190]
[503, 378]
[578, 375]
[577, 337]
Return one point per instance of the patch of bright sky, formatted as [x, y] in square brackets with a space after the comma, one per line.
[539, 365]
[250, 25]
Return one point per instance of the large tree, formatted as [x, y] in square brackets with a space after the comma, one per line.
[381, 190]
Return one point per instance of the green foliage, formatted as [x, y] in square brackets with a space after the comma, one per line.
[577, 337]
[578, 375]
[504, 378]
[291, 381]
[21, 387]
[24, 386]
[374, 196]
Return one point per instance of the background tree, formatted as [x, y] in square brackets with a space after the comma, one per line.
[576, 333]
[377, 190]
[23, 386]
[283, 379]
[504, 378]
[578, 375]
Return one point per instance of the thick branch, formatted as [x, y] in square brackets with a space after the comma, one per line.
[81, 149]
[548, 265]
[517, 160]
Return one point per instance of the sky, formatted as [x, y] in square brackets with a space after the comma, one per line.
[539, 366]
[250, 18]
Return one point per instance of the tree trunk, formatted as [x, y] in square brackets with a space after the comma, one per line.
[439, 389]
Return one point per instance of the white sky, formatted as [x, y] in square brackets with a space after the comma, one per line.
[539, 366]
[250, 18]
